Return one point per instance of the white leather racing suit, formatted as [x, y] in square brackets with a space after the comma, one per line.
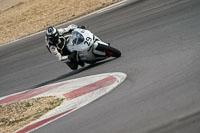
[53, 47]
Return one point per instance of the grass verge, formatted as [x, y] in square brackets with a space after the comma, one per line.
[26, 17]
[15, 115]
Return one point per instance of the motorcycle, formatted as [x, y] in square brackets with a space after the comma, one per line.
[89, 47]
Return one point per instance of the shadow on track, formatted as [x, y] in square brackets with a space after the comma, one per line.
[72, 73]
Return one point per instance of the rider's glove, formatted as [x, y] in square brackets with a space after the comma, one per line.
[64, 59]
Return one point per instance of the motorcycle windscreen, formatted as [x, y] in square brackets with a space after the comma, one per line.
[77, 38]
[76, 42]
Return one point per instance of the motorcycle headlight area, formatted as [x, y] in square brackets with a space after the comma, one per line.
[76, 38]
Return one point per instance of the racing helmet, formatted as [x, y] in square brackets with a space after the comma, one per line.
[52, 34]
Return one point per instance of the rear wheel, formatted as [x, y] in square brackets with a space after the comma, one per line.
[109, 50]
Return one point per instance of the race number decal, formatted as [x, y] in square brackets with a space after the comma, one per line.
[87, 41]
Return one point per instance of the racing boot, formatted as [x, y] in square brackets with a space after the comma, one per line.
[81, 63]
[72, 64]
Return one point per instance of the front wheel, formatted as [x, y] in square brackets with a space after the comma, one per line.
[109, 50]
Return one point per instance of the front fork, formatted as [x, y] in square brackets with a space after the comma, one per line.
[96, 45]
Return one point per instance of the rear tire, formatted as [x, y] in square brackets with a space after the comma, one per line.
[109, 50]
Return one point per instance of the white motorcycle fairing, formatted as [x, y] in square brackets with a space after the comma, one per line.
[85, 43]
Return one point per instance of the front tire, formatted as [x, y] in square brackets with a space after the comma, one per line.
[109, 50]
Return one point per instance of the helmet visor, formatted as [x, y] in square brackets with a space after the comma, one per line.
[54, 39]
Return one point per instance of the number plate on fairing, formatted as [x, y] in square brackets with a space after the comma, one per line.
[81, 40]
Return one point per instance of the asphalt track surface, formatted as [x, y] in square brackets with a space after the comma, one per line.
[160, 45]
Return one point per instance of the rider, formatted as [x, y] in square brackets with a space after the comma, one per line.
[56, 40]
